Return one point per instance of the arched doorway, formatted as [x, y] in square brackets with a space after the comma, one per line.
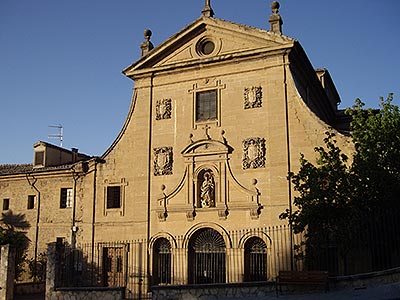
[206, 257]
[161, 262]
[255, 260]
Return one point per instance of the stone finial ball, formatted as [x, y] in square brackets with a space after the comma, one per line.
[275, 5]
[147, 33]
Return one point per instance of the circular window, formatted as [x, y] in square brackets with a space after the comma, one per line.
[205, 47]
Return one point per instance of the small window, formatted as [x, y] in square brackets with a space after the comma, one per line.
[66, 198]
[113, 197]
[31, 201]
[6, 204]
[206, 106]
[39, 158]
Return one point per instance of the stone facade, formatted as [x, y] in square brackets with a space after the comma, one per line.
[219, 115]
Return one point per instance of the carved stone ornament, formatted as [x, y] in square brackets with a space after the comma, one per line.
[253, 97]
[163, 109]
[163, 160]
[253, 153]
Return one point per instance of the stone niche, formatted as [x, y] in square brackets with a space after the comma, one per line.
[208, 185]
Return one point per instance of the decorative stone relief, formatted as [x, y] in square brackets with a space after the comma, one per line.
[163, 160]
[163, 109]
[253, 97]
[253, 153]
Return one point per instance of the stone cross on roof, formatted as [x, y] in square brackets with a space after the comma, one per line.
[207, 10]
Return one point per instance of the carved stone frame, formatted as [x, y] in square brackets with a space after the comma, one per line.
[254, 153]
[163, 161]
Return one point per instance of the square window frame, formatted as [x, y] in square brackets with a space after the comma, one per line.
[31, 202]
[201, 87]
[6, 204]
[68, 204]
[120, 211]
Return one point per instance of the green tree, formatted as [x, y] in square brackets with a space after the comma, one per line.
[376, 163]
[13, 231]
[322, 202]
[352, 207]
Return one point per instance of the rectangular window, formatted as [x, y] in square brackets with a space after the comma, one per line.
[39, 158]
[6, 204]
[113, 197]
[206, 106]
[31, 201]
[66, 198]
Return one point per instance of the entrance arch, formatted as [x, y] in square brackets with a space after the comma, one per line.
[162, 261]
[207, 259]
[255, 260]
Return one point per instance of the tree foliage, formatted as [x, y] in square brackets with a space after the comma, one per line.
[336, 199]
[13, 231]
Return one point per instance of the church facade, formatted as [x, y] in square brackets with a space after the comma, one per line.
[197, 176]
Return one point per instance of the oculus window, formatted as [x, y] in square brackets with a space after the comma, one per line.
[206, 106]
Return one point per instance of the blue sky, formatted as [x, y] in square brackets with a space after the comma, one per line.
[61, 61]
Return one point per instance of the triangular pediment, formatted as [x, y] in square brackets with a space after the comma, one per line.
[225, 40]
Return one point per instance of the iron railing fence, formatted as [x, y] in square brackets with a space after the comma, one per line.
[208, 256]
[369, 245]
[233, 256]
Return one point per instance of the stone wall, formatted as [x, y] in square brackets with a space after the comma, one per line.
[89, 293]
[7, 272]
[214, 291]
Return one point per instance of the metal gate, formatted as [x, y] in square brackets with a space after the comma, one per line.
[207, 257]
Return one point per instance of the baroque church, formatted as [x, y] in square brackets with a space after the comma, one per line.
[191, 189]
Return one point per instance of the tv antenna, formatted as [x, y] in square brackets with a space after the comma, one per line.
[59, 135]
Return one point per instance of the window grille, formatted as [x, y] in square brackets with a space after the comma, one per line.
[207, 257]
[162, 262]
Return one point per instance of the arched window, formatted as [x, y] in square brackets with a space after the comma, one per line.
[162, 262]
[207, 257]
[255, 260]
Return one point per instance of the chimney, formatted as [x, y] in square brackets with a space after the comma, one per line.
[146, 46]
[275, 19]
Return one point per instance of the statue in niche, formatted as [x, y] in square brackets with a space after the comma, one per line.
[207, 190]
